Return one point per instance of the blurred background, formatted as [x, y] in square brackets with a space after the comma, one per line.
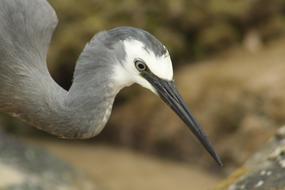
[229, 65]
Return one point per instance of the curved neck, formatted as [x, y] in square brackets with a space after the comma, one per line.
[83, 111]
[89, 100]
[28, 91]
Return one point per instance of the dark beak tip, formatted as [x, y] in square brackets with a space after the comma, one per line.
[213, 154]
[167, 91]
[219, 161]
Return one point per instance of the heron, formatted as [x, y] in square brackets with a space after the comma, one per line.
[113, 59]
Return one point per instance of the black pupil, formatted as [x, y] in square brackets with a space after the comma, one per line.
[140, 65]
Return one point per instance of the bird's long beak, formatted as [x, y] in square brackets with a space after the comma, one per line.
[168, 93]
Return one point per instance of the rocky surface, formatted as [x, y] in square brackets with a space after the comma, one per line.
[117, 168]
[264, 171]
[29, 168]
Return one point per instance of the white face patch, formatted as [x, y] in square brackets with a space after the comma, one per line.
[161, 66]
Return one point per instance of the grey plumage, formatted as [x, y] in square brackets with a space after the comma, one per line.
[28, 91]
[123, 33]
[26, 87]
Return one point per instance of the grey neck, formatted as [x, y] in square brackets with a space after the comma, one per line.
[90, 98]
[82, 112]
[26, 87]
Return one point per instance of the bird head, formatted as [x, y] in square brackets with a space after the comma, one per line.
[141, 63]
[144, 60]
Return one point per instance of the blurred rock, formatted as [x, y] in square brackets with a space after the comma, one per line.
[264, 171]
[29, 168]
[252, 41]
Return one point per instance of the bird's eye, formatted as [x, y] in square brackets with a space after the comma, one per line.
[140, 65]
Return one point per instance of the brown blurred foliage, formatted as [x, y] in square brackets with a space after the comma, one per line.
[191, 29]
